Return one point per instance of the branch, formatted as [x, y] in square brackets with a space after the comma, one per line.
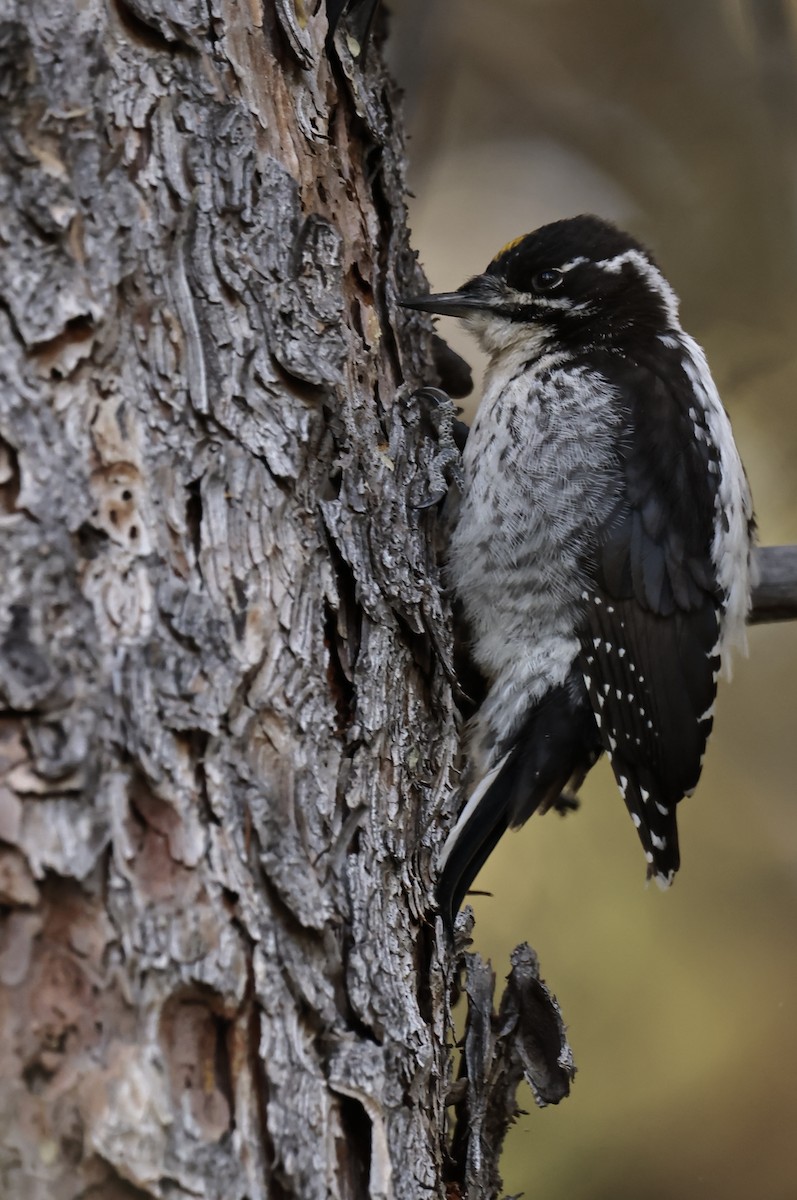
[775, 594]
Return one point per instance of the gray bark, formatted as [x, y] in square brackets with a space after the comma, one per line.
[227, 730]
[227, 734]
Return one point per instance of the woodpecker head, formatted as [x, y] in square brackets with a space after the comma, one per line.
[578, 282]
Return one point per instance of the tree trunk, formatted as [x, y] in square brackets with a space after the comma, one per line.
[228, 730]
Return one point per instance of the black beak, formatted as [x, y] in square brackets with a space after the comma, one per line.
[477, 294]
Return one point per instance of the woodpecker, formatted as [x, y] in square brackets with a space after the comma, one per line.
[601, 542]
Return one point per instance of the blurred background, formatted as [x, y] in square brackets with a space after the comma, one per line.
[678, 120]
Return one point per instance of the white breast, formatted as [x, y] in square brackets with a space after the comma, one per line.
[539, 468]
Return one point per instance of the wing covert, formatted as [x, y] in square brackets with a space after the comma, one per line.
[652, 607]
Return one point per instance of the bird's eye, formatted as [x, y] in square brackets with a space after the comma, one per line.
[546, 281]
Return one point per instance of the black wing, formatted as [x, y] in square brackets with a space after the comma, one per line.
[649, 637]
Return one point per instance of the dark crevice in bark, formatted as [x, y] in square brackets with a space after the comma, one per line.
[353, 1022]
[197, 742]
[144, 33]
[344, 629]
[424, 959]
[354, 1151]
[341, 687]
[276, 1189]
[278, 43]
[193, 516]
[9, 477]
[239, 613]
[114, 1186]
[224, 1027]
[8, 313]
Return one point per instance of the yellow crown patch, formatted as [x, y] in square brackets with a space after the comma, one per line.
[510, 246]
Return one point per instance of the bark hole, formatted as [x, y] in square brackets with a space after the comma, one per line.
[193, 515]
[354, 1151]
[195, 1043]
[9, 478]
[141, 31]
[341, 688]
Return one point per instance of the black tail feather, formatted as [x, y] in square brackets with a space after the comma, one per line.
[472, 841]
[556, 745]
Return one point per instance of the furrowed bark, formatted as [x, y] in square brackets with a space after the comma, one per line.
[227, 725]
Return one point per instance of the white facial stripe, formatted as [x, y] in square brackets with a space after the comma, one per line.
[652, 276]
[544, 302]
[574, 262]
[511, 296]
